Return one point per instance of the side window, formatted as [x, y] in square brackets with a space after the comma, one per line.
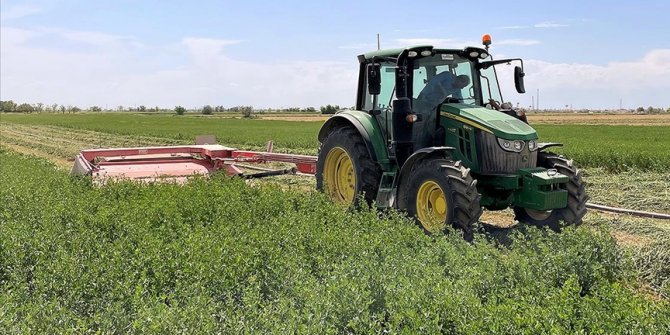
[467, 92]
[420, 80]
[385, 97]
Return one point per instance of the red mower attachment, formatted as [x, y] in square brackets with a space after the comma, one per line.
[177, 163]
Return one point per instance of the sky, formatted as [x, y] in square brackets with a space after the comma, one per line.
[272, 54]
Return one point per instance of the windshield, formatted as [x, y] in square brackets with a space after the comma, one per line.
[444, 78]
[490, 87]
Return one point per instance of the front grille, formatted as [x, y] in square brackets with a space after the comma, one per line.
[495, 160]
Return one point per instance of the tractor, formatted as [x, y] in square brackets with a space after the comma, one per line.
[443, 151]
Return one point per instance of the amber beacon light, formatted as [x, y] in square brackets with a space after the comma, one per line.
[486, 40]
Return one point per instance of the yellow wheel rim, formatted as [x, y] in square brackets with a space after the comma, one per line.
[339, 176]
[431, 206]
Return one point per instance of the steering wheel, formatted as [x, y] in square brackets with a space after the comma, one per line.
[451, 100]
[494, 104]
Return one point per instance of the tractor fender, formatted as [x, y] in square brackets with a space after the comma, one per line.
[366, 126]
[416, 157]
[542, 146]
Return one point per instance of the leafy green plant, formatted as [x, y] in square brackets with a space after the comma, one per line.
[614, 148]
[218, 256]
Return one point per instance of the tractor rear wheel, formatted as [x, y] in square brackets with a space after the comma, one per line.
[345, 169]
[439, 193]
[573, 213]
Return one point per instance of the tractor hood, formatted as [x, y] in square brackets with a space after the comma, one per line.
[489, 120]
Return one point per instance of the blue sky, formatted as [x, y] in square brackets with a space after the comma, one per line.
[588, 54]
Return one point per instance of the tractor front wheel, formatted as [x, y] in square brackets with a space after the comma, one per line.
[576, 208]
[440, 193]
[345, 169]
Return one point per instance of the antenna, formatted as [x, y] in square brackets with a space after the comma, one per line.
[378, 45]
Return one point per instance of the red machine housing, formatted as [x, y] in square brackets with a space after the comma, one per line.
[180, 162]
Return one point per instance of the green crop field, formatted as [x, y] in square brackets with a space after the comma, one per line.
[614, 147]
[240, 132]
[223, 256]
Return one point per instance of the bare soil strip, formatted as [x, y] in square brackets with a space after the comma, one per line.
[601, 119]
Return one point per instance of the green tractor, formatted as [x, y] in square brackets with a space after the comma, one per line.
[431, 136]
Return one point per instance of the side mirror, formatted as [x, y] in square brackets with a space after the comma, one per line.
[374, 79]
[518, 79]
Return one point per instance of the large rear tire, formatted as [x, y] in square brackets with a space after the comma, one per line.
[345, 170]
[440, 193]
[574, 212]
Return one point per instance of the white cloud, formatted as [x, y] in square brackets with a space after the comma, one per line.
[512, 27]
[194, 72]
[550, 25]
[18, 11]
[521, 42]
[449, 43]
[358, 46]
[641, 82]
[120, 70]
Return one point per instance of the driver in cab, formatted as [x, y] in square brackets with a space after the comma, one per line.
[433, 94]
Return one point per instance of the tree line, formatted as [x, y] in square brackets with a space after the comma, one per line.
[10, 106]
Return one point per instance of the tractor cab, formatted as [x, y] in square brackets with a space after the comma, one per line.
[430, 78]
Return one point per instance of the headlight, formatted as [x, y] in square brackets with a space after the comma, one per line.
[505, 144]
[512, 146]
[532, 145]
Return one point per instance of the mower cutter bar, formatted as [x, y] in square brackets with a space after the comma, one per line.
[180, 162]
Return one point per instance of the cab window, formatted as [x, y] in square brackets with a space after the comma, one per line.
[387, 90]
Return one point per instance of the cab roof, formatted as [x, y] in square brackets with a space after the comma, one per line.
[394, 53]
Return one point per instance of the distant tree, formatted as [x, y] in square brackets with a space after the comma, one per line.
[142, 108]
[119, 108]
[310, 110]
[8, 106]
[25, 108]
[180, 110]
[62, 109]
[54, 108]
[39, 107]
[207, 110]
[329, 109]
[219, 109]
[654, 110]
[640, 109]
[73, 109]
[246, 111]
[95, 109]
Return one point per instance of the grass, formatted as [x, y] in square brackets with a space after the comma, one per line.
[649, 250]
[634, 188]
[615, 148]
[220, 256]
[242, 132]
